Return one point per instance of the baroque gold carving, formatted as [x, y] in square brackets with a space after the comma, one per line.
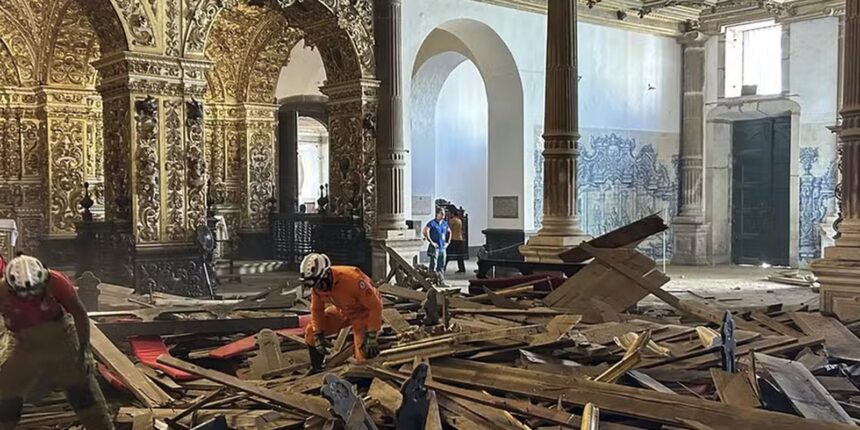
[148, 170]
[174, 166]
[117, 160]
[67, 158]
[261, 175]
[196, 165]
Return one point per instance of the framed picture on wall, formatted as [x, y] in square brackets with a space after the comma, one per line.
[506, 207]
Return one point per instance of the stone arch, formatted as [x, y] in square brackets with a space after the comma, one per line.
[442, 51]
[718, 162]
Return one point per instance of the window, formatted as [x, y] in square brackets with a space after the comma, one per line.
[754, 57]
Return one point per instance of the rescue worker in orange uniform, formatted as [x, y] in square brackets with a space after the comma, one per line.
[341, 296]
[50, 339]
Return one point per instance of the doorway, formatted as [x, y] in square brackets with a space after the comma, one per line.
[761, 155]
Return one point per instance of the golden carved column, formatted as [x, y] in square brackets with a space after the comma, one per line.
[352, 147]
[839, 270]
[257, 131]
[561, 229]
[392, 155]
[691, 230]
[155, 167]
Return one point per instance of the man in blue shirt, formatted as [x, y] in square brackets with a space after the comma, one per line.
[438, 234]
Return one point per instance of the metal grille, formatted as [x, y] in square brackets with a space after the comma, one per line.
[343, 239]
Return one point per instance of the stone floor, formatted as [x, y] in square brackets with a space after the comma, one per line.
[736, 287]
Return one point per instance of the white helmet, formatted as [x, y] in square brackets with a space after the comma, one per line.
[313, 267]
[26, 275]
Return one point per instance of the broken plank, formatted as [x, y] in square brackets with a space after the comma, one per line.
[775, 325]
[139, 384]
[623, 400]
[302, 402]
[555, 330]
[628, 235]
[122, 330]
[393, 318]
[734, 388]
[434, 417]
[805, 393]
[839, 342]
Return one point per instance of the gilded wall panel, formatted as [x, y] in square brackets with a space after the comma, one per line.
[67, 161]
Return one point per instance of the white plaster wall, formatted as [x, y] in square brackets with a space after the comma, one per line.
[811, 93]
[303, 75]
[617, 67]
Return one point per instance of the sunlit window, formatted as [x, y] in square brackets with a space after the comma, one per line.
[754, 59]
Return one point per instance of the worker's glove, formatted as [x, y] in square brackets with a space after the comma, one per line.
[322, 345]
[370, 346]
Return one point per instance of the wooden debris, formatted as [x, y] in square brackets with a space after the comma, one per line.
[142, 387]
[734, 388]
[841, 343]
[312, 405]
[804, 392]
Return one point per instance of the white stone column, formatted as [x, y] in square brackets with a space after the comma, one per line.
[561, 229]
[839, 270]
[391, 153]
[691, 230]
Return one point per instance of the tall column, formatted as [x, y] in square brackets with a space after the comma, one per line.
[155, 172]
[839, 270]
[258, 163]
[691, 230]
[391, 154]
[561, 229]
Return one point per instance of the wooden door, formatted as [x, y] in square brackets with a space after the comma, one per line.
[760, 191]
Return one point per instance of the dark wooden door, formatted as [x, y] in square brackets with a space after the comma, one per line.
[760, 191]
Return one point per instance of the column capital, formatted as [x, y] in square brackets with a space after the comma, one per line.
[693, 38]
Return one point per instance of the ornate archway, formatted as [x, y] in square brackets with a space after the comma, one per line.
[50, 112]
[342, 31]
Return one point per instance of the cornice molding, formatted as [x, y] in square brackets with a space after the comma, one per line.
[676, 20]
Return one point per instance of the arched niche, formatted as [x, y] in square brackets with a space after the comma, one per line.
[441, 53]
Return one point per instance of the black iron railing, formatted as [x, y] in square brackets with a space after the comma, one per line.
[343, 239]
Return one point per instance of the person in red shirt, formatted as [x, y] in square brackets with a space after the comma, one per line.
[341, 296]
[51, 332]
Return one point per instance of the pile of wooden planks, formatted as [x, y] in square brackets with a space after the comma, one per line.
[529, 354]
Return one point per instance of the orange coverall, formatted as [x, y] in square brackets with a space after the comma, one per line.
[352, 301]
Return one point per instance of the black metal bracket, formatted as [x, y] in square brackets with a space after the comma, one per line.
[413, 410]
[729, 345]
[346, 404]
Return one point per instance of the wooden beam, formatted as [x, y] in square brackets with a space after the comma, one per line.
[302, 402]
[122, 330]
[626, 236]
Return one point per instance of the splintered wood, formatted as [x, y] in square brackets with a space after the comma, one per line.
[508, 356]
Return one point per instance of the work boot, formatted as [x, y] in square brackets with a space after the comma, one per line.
[317, 359]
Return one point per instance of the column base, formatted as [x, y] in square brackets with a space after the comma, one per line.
[839, 275]
[691, 242]
[546, 249]
[403, 241]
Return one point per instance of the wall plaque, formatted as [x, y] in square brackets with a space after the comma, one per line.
[506, 207]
